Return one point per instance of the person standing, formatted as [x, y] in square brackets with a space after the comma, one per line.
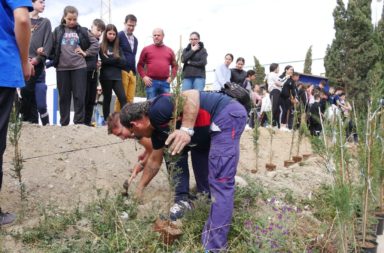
[222, 73]
[97, 28]
[40, 48]
[112, 61]
[15, 34]
[71, 44]
[247, 83]
[275, 85]
[194, 57]
[128, 44]
[238, 74]
[287, 92]
[154, 65]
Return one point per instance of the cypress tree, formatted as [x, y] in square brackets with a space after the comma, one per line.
[375, 76]
[354, 52]
[335, 54]
[308, 62]
[361, 51]
[260, 71]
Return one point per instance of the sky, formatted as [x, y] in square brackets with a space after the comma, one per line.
[273, 31]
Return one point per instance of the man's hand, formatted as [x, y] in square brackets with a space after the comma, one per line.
[142, 156]
[34, 61]
[139, 193]
[28, 70]
[40, 51]
[177, 141]
[147, 81]
[136, 170]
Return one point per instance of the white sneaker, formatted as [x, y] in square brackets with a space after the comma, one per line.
[178, 209]
[284, 129]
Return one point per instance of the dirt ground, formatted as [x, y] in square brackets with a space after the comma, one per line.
[65, 166]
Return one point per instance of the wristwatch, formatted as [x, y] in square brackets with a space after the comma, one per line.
[189, 131]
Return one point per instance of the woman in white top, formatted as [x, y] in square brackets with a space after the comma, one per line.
[275, 85]
[222, 73]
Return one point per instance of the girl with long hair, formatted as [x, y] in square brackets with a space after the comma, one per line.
[112, 62]
[71, 44]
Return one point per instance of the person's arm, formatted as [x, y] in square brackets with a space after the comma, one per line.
[179, 138]
[94, 47]
[277, 81]
[141, 64]
[121, 61]
[150, 171]
[45, 50]
[143, 158]
[202, 61]
[23, 35]
[140, 68]
[106, 60]
[51, 56]
[186, 55]
[347, 106]
[174, 67]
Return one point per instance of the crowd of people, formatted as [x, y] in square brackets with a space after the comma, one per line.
[209, 127]
[283, 102]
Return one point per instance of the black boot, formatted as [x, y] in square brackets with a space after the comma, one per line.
[44, 119]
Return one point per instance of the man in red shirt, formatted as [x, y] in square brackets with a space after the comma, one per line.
[154, 66]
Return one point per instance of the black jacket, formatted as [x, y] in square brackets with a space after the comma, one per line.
[194, 61]
[238, 76]
[111, 66]
[288, 89]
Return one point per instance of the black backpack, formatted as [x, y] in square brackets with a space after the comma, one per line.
[237, 92]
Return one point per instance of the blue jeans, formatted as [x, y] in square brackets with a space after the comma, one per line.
[193, 83]
[41, 97]
[158, 87]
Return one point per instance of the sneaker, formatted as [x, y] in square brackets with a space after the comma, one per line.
[6, 218]
[284, 129]
[178, 209]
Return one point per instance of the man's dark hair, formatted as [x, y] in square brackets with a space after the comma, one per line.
[338, 88]
[130, 17]
[250, 73]
[99, 24]
[295, 74]
[134, 111]
[273, 67]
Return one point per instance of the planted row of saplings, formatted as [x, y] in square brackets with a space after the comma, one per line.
[358, 178]
[302, 131]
